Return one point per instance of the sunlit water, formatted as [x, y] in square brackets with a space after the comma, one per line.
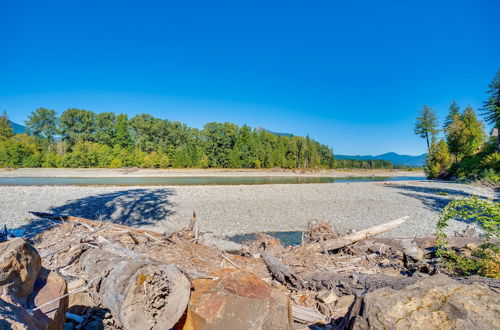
[181, 181]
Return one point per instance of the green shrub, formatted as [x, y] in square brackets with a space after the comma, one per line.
[485, 260]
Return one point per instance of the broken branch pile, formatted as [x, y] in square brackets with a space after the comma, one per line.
[140, 279]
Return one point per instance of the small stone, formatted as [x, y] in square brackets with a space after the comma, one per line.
[326, 296]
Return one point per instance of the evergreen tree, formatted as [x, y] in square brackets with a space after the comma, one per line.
[122, 135]
[43, 124]
[6, 130]
[454, 132]
[473, 132]
[453, 110]
[426, 124]
[438, 160]
[491, 108]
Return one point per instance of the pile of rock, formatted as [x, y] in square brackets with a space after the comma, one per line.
[29, 294]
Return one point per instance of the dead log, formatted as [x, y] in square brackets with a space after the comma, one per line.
[95, 223]
[356, 284]
[308, 315]
[281, 272]
[140, 294]
[346, 240]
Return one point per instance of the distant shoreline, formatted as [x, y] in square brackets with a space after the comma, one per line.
[141, 172]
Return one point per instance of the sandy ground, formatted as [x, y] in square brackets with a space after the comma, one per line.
[135, 172]
[229, 210]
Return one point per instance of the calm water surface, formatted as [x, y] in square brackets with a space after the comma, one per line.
[181, 181]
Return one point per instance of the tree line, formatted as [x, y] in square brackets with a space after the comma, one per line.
[465, 150]
[83, 138]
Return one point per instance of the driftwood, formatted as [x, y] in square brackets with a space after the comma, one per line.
[95, 223]
[307, 315]
[281, 272]
[139, 293]
[357, 284]
[346, 240]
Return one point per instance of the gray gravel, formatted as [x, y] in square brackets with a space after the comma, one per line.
[228, 210]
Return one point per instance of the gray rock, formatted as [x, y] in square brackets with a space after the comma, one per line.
[437, 302]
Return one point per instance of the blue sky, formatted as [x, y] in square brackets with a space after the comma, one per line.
[351, 74]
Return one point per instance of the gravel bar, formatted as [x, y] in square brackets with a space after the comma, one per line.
[229, 210]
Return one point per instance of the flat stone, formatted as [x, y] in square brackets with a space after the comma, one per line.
[237, 300]
[49, 286]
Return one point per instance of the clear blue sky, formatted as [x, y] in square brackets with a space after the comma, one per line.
[351, 74]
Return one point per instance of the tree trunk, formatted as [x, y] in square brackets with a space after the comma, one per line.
[338, 243]
[427, 139]
[140, 294]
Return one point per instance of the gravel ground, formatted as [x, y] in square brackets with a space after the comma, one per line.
[229, 210]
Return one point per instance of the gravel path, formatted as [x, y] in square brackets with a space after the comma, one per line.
[228, 210]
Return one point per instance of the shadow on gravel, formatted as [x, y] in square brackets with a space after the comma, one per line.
[434, 199]
[429, 190]
[133, 207]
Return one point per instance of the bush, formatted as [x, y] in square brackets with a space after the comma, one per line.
[484, 260]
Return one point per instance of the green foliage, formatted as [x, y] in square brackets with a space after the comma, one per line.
[43, 124]
[77, 125]
[6, 130]
[492, 105]
[106, 140]
[438, 160]
[427, 124]
[122, 134]
[453, 111]
[363, 164]
[485, 260]
[19, 151]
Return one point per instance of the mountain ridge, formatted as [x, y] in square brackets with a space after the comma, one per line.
[393, 157]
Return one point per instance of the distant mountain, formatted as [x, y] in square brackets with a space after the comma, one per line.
[275, 133]
[392, 157]
[18, 129]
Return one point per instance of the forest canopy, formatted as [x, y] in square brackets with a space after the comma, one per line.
[83, 138]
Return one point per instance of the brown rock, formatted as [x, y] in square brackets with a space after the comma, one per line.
[237, 300]
[342, 306]
[50, 286]
[437, 302]
[19, 267]
[16, 318]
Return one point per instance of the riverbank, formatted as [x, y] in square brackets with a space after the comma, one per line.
[143, 172]
[230, 210]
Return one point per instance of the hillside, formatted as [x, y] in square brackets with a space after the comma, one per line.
[18, 129]
[392, 157]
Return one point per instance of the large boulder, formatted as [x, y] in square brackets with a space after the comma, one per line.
[237, 300]
[437, 302]
[19, 267]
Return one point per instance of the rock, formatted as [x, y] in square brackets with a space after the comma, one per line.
[237, 300]
[16, 317]
[19, 267]
[391, 272]
[221, 244]
[437, 302]
[411, 249]
[342, 306]
[327, 296]
[50, 286]
[79, 301]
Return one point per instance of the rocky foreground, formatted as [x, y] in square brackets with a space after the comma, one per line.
[84, 274]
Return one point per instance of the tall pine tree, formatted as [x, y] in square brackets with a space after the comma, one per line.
[427, 124]
[491, 109]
